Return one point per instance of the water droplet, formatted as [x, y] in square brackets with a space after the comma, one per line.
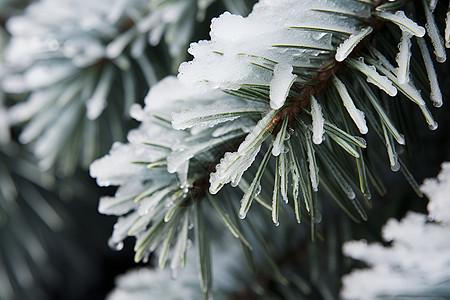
[287, 136]
[363, 141]
[318, 217]
[351, 195]
[433, 126]
[395, 167]
[367, 196]
[258, 190]
[242, 215]
[277, 224]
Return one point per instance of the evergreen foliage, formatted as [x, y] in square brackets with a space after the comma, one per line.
[294, 111]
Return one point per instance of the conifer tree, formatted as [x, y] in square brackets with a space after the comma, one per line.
[250, 164]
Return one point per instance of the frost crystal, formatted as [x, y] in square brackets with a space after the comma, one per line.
[414, 264]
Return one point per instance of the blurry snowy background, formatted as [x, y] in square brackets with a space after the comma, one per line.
[70, 71]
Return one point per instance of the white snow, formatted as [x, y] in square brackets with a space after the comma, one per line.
[245, 51]
[123, 200]
[233, 165]
[117, 168]
[165, 96]
[414, 263]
